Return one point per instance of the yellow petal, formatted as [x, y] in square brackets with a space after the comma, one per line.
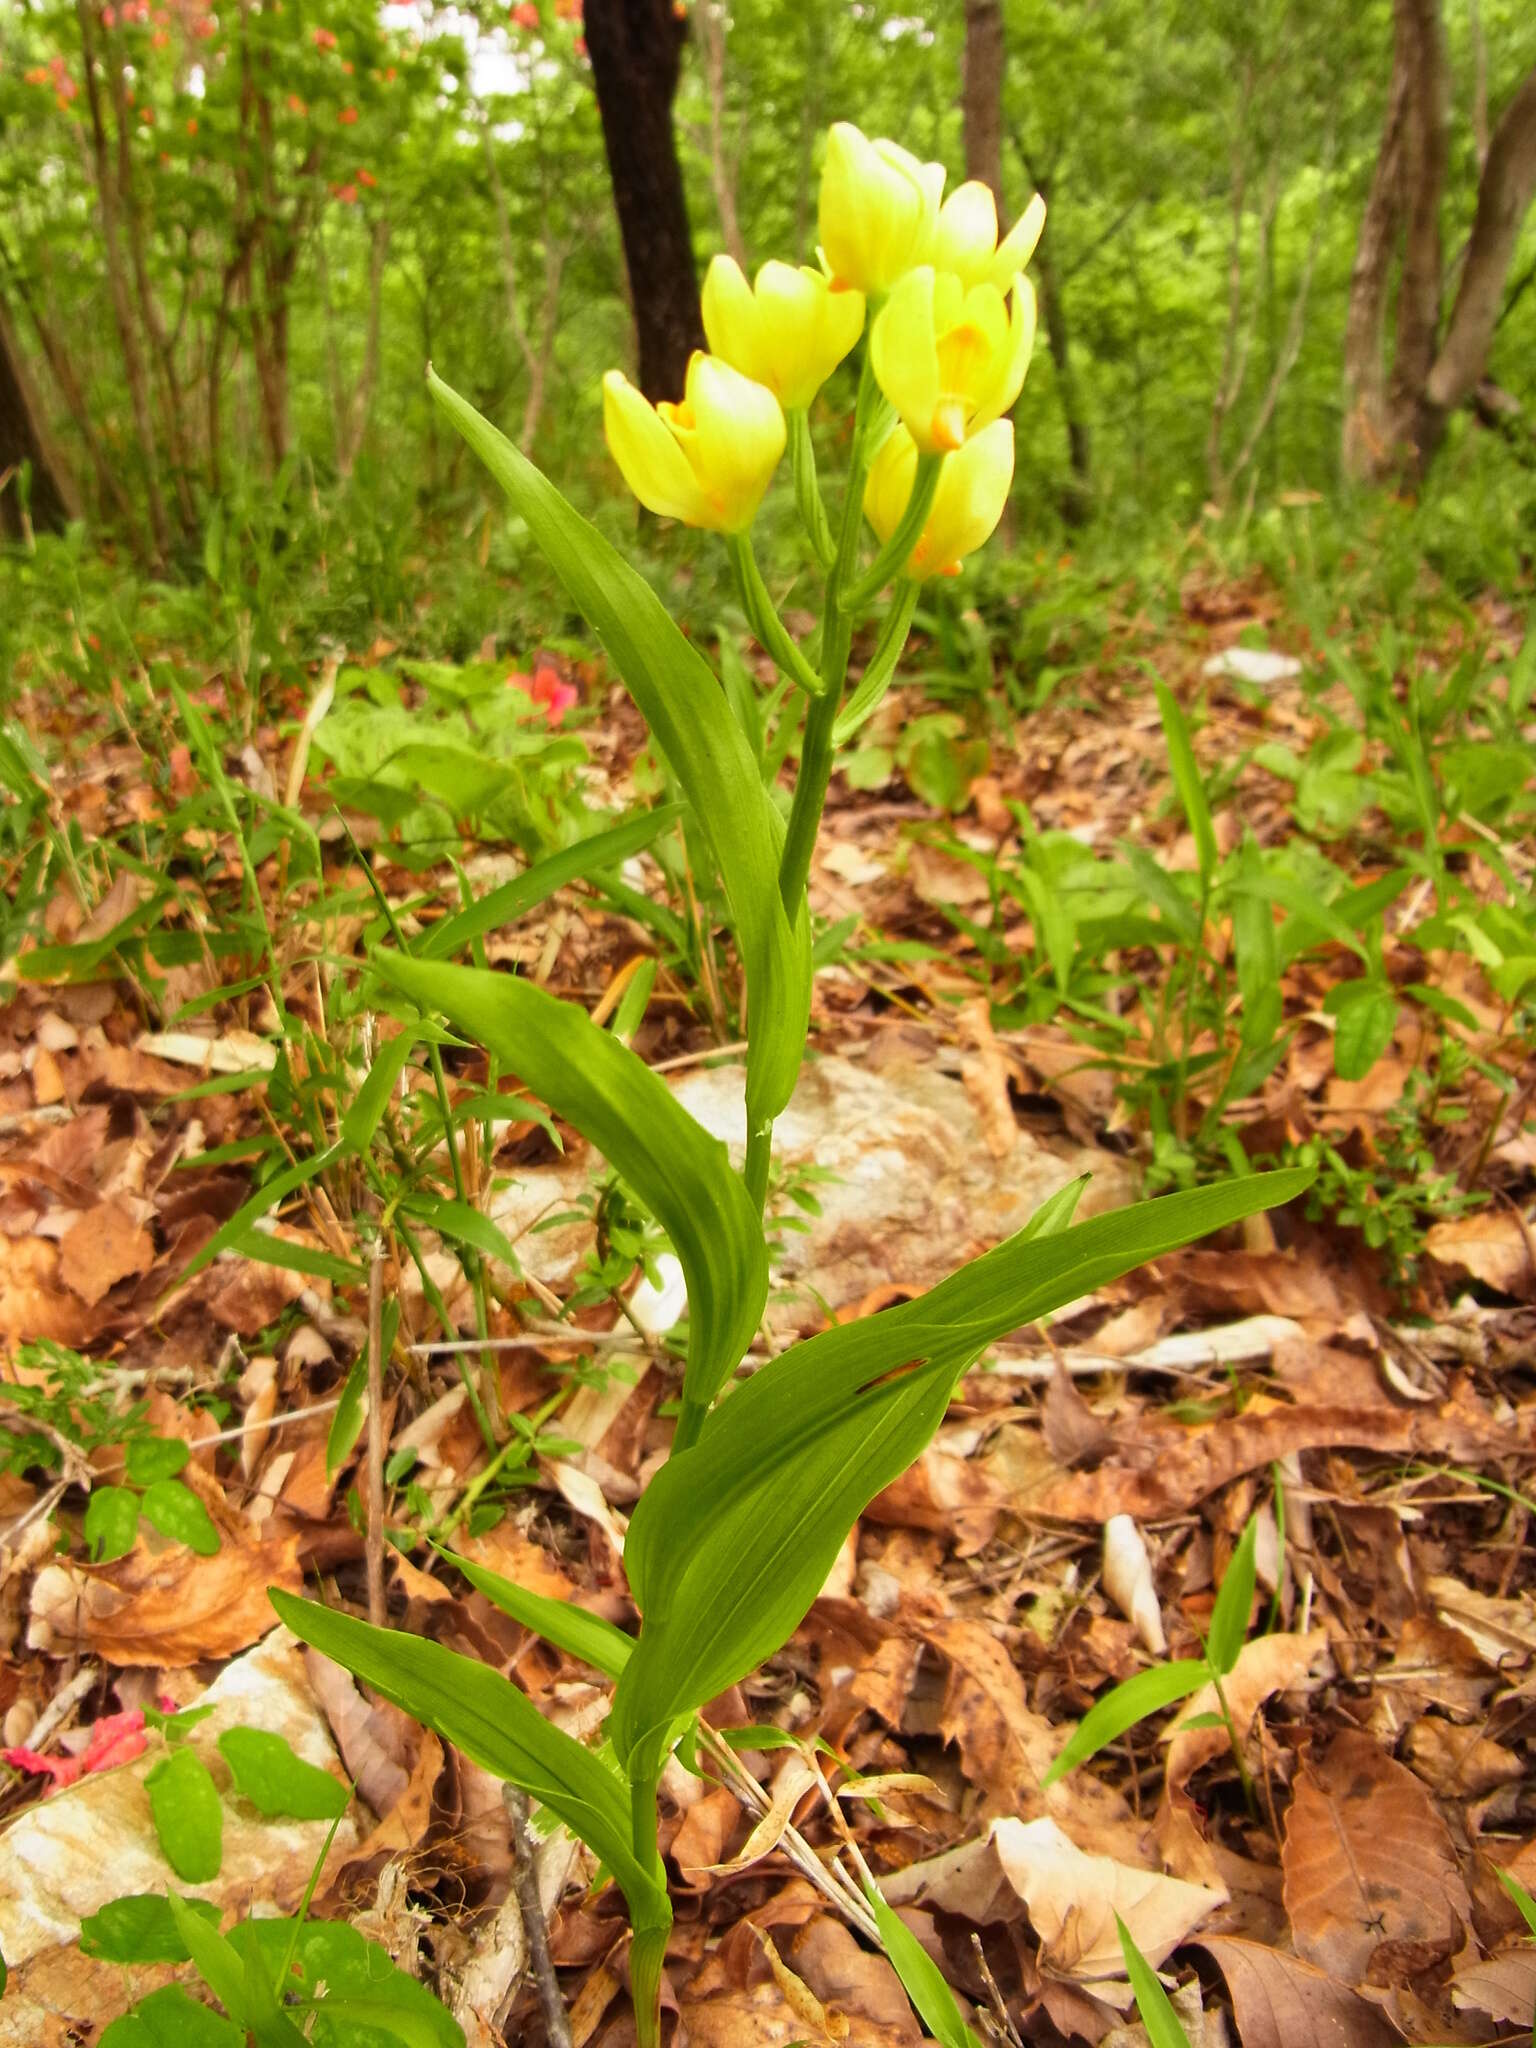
[648, 454]
[973, 489]
[878, 209]
[1011, 360]
[903, 348]
[808, 328]
[737, 440]
[889, 483]
[1018, 245]
[967, 238]
[731, 321]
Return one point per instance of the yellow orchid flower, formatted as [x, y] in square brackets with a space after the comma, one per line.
[707, 461]
[789, 329]
[951, 360]
[879, 210]
[973, 489]
[967, 243]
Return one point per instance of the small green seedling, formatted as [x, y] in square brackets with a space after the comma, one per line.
[1163, 2025]
[1149, 1691]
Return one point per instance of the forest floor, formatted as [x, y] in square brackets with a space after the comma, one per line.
[1360, 1376]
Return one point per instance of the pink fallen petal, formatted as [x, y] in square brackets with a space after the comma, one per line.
[62, 1769]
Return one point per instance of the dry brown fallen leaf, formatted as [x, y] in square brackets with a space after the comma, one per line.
[1502, 1985]
[1503, 1632]
[1372, 1885]
[1031, 1869]
[1186, 1468]
[940, 1491]
[1268, 1664]
[1494, 1246]
[1128, 1581]
[167, 1609]
[1278, 2001]
[106, 1245]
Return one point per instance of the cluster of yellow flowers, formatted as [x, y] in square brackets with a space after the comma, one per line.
[949, 345]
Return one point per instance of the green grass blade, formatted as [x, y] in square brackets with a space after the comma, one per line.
[587, 1636]
[1164, 2028]
[1132, 1701]
[1234, 1602]
[921, 1978]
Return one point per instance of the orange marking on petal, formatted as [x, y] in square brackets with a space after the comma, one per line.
[948, 429]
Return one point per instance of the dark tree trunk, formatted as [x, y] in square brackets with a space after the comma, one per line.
[636, 50]
[1077, 496]
[24, 438]
[981, 98]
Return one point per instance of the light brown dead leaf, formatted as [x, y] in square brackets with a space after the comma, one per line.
[954, 1496]
[986, 1072]
[1031, 1869]
[1494, 1246]
[1128, 1581]
[170, 1608]
[108, 1244]
[1279, 2001]
[1074, 1435]
[378, 1742]
[1502, 1985]
[1459, 1763]
[1503, 1632]
[1267, 1664]
[1372, 1884]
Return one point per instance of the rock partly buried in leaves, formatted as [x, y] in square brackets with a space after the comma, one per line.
[912, 1186]
[67, 1856]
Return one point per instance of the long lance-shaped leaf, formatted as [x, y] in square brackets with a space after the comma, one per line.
[686, 710]
[487, 1717]
[678, 1170]
[732, 1540]
[587, 1636]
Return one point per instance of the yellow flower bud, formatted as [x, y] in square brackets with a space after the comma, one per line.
[879, 210]
[788, 330]
[967, 241]
[707, 461]
[973, 489]
[951, 360]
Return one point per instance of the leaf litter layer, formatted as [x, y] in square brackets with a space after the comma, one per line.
[1357, 1378]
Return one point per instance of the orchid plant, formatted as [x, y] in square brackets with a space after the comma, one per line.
[733, 1539]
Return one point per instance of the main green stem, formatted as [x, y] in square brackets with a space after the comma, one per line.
[816, 747]
[648, 1950]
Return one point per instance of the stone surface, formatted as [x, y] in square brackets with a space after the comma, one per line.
[912, 1189]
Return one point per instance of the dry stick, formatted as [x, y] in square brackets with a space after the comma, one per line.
[525, 1883]
[377, 1612]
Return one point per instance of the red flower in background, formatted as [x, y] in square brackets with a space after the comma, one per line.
[546, 686]
[115, 1739]
[525, 15]
[347, 194]
[348, 117]
[366, 178]
[325, 39]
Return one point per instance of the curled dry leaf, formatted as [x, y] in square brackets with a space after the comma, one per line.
[1279, 2001]
[1503, 1632]
[1371, 1876]
[948, 1494]
[1031, 1869]
[1269, 1664]
[171, 1609]
[794, 1779]
[1128, 1581]
[1176, 1471]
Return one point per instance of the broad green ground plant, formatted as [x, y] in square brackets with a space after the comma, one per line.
[733, 1539]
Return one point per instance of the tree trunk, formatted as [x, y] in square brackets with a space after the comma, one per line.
[24, 438]
[708, 19]
[1394, 421]
[636, 51]
[981, 95]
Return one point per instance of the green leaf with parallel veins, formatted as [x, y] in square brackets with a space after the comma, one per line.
[921, 1978]
[679, 1171]
[587, 1636]
[733, 1538]
[487, 1717]
[188, 1815]
[267, 1772]
[1129, 1703]
[1234, 1602]
[687, 712]
[1164, 2028]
